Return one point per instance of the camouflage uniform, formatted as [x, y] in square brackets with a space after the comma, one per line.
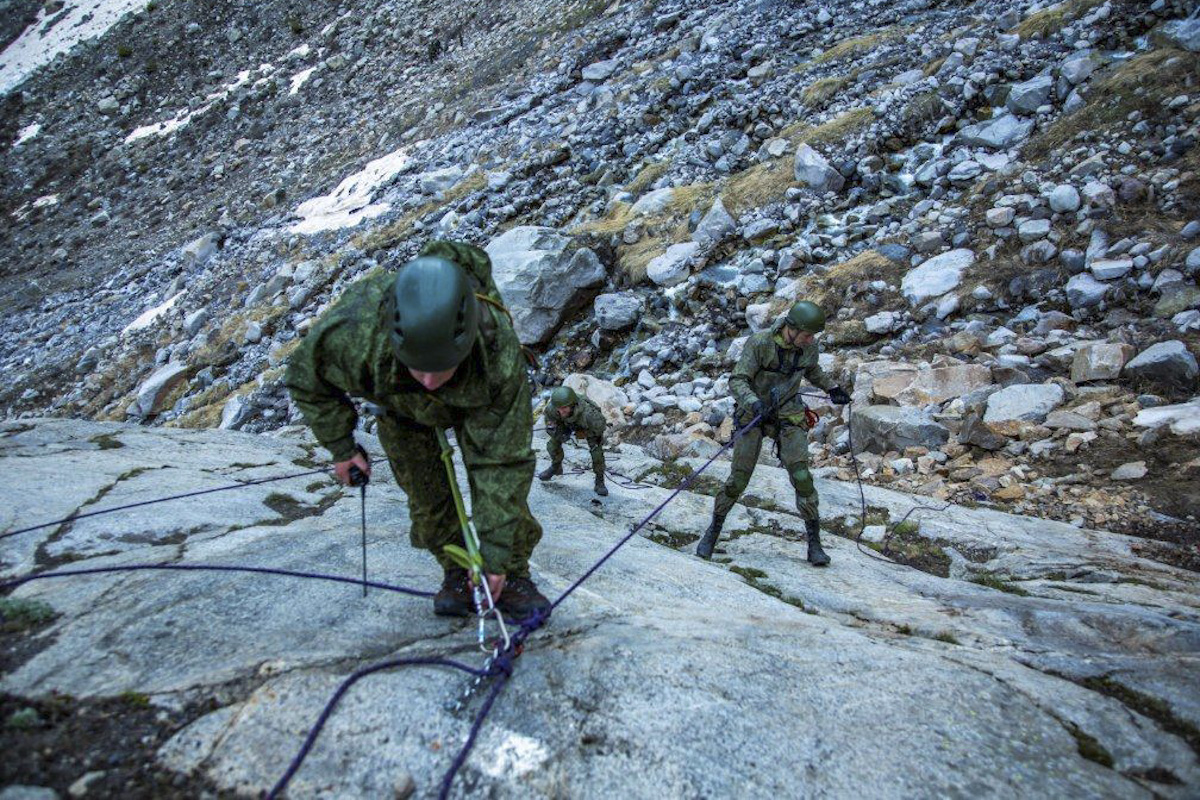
[487, 402]
[585, 421]
[769, 370]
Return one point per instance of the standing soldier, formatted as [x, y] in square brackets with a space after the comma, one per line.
[434, 348]
[569, 415]
[766, 381]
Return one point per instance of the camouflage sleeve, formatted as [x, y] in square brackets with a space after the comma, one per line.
[742, 378]
[817, 376]
[317, 384]
[496, 447]
[596, 423]
[550, 418]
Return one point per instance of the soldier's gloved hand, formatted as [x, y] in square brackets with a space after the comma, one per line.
[341, 469]
[838, 396]
[759, 408]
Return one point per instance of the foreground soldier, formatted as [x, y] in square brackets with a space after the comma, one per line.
[569, 415]
[765, 381]
[432, 346]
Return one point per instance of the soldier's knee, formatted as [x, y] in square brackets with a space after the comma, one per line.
[737, 483]
[802, 479]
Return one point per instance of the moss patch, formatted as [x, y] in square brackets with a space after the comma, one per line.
[18, 614]
[999, 584]
[1089, 747]
[1152, 707]
[820, 91]
[1048, 20]
[107, 441]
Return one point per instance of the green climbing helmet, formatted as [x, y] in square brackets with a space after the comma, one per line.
[433, 314]
[806, 316]
[563, 396]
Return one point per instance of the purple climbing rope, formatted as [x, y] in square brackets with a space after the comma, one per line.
[14, 583]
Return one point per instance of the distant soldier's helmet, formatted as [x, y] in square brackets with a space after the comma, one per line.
[563, 396]
[806, 316]
[433, 314]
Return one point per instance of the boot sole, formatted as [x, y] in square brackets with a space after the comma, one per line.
[452, 611]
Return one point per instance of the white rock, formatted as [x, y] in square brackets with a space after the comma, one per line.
[1084, 291]
[672, 267]
[1023, 401]
[600, 70]
[935, 277]
[1109, 269]
[811, 168]
[1183, 418]
[1132, 471]
[1064, 198]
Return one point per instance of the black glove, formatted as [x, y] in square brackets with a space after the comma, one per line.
[357, 476]
[758, 408]
[838, 396]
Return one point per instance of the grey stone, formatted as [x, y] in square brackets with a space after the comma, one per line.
[153, 391]
[997, 134]
[1168, 364]
[935, 277]
[1033, 229]
[882, 322]
[1064, 198]
[617, 311]
[1000, 217]
[1109, 269]
[600, 70]
[653, 202]
[879, 429]
[673, 266]
[1183, 33]
[1192, 263]
[1026, 97]
[811, 169]
[194, 321]
[1084, 291]
[235, 412]
[1131, 471]
[543, 276]
[19, 792]
[197, 252]
[1030, 402]
[715, 226]
[1100, 361]
[1078, 68]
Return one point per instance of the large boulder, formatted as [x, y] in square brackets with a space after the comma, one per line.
[1084, 291]
[1168, 364]
[1029, 402]
[918, 386]
[1100, 361]
[543, 276]
[606, 394]
[673, 266]
[940, 274]
[1026, 97]
[997, 134]
[152, 394]
[1183, 418]
[811, 169]
[879, 429]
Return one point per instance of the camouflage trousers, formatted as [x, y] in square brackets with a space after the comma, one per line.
[792, 437]
[554, 446]
[415, 458]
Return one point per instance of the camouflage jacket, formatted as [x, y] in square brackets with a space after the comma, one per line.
[348, 353]
[585, 419]
[769, 369]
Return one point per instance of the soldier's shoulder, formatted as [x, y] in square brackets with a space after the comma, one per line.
[761, 339]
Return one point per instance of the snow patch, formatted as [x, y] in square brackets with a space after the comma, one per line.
[300, 78]
[186, 115]
[46, 200]
[51, 35]
[27, 133]
[152, 314]
[299, 52]
[350, 203]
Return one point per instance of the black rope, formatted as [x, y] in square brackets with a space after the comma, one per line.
[198, 493]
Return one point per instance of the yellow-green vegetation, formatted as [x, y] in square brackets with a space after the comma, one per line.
[835, 130]
[659, 231]
[828, 289]
[755, 186]
[1143, 83]
[858, 45]
[999, 584]
[648, 175]
[820, 91]
[1054, 18]
[933, 66]
[397, 231]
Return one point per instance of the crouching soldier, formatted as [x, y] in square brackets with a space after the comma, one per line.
[569, 415]
[766, 380]
[433, 347]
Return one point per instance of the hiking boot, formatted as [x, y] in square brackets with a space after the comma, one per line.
[454, 598]
[600, 488]
[550, 471]
[520, 598]
[704, 548]
[816, 554]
